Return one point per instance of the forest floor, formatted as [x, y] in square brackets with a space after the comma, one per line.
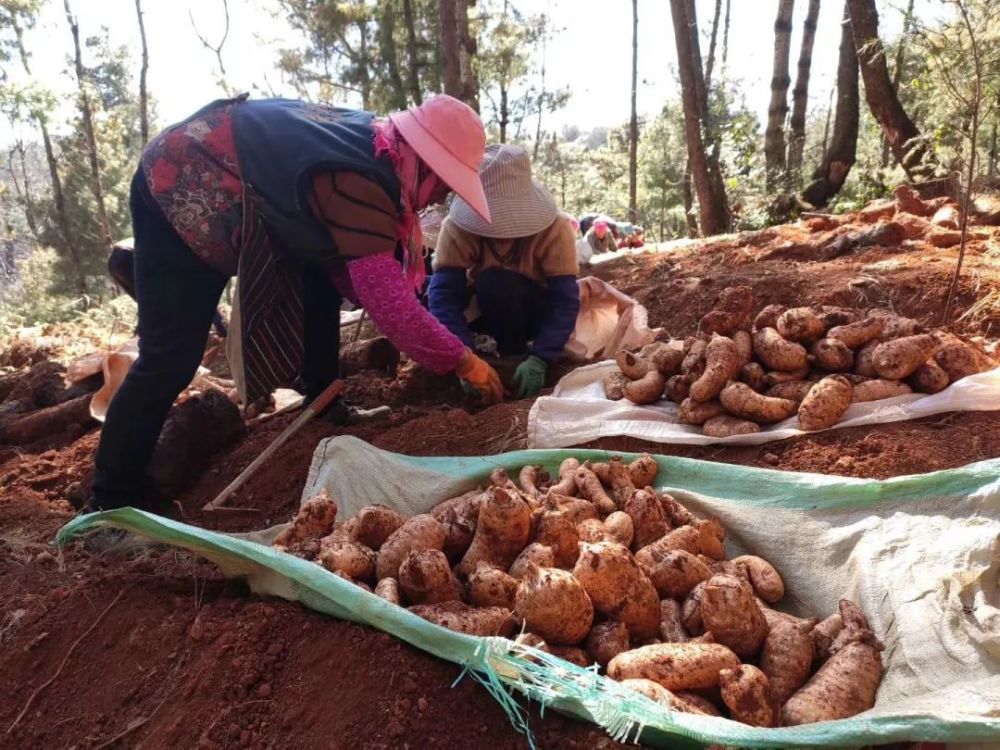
[157, 649]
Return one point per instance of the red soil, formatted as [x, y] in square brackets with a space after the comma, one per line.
[184, 658]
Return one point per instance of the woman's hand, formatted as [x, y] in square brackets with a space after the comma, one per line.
[475, 373]
[529, 377]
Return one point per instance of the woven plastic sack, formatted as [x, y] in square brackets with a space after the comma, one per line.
[919, 554]
[578, 412]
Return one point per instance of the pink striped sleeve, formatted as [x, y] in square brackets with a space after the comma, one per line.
[382, 290]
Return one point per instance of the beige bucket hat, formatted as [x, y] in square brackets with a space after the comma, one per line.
[519, 204]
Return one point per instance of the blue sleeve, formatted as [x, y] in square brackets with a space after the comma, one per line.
[564, 303]
[447, 297]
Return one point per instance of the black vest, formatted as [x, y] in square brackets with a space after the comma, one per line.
[282, 144]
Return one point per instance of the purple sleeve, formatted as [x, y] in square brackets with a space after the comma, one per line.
[382, 290]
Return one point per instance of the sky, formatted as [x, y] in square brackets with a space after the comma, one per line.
[590, 52]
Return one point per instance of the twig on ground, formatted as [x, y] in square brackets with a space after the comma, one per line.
[40, 688]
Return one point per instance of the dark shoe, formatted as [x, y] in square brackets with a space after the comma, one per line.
[110, 541]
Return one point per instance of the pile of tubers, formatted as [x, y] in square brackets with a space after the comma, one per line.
[741, 372]
[598, 568]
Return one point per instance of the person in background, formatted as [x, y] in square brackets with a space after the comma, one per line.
[305, 204]
[636, 237]
[600, 238]
[521, 267]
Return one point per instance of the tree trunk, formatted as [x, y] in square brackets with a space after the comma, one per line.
[839, 157]
[468, 47]
[23, 194]
[897, 73]
[826, 126]
[58, 199]
[712, 208]
[412, 56]
[710, 63]
[904, 138]
[451, 68]
[503, 116]
[44, 422]
[143, 92]
[800, 94]
[363, 66]
[991, 169]
[777, 110]
[541, 95]
[725, 40]
[387, 48]
[633, 127]
[88, 129]
[688, 193]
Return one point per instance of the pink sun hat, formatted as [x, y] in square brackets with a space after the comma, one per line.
[450, 139]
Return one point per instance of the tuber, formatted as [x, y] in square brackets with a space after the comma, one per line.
[787, 657]
[897, 359]
[648, 521]
[606, 640]
[831, 355]
[646, 390]
[534, 554]
[388, 589]
[374, 524]
[678, 387]
[766, 581]
[491, 587]
[619, 528]
[825, 403]
[744, 402]
[729, 611]
[419, 532]
[727, 426]
[778, 353]
[847, 682]
[694, 413]
[482, 621]
[801, 324]
[502, 531]
[351, 558]
[876, 390]
[675, 572]
[675, 666]
[854, 335]
[671, 628]
[614, 385]
[632, 366]
[314, 520]
[746, 691]
[554, 604]
[618, 588]
[426, 578]
[930, 377]
[557, 531]
[722, 363]
[768, 317]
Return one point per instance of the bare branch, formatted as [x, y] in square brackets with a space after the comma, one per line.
[217, 49]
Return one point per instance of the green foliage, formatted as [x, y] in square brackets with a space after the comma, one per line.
[34, 299]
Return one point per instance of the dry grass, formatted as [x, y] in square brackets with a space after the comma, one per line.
[984, 313]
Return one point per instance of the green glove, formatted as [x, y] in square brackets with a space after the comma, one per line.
[529, 377]
[470, 389]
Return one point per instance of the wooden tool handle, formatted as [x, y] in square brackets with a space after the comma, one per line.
[324, 399]
[319, 404]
